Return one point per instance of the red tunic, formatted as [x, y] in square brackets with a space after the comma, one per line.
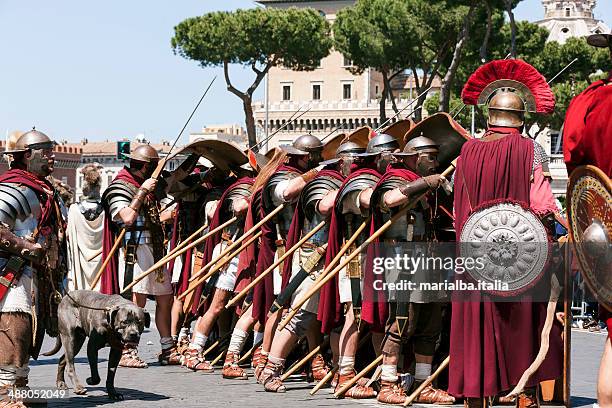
[587, 137]
[493, 343]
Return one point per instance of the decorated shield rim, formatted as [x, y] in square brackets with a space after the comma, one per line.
[575, 177]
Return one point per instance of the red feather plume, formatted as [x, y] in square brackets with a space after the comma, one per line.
[513, 69]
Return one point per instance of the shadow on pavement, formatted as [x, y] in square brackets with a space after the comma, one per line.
[101, 400]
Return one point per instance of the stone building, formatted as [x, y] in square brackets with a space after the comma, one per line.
[337, 98]
[566, 19]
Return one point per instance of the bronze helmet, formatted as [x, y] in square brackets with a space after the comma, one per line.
[349, 149]
[144, 153]
[303, 146]
[32, 140]
[421, 144]
[506, 108]
[308, 143]
[382, 143]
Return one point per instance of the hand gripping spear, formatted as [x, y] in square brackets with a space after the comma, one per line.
[326, 277]
[288, 253]
[155, 175]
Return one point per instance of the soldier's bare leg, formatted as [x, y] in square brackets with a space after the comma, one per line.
[129, 355]
[194, 358]
[268, 337]
[604, 385]
[231, 370]
[349, 339]
[177, 318]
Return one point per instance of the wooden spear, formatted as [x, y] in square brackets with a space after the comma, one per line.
[258, 279]
[237, 242]
[108, 258]
[328, 276]
[178, 253]
[218, 266]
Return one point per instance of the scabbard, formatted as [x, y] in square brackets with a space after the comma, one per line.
[285, 296]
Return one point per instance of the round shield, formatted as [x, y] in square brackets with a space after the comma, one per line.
[509, 246]
[589, 195]
[224, 155]
[399, 130]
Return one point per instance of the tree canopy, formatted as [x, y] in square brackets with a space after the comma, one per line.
[259, 38]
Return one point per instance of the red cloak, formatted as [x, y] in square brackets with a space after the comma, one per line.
[493, 343]
[587, 138]
[330, 311]
[263, 292]
[212, 241]
[374, 309]
[587, 132]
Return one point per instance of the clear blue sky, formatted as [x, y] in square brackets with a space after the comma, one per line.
[105, 70]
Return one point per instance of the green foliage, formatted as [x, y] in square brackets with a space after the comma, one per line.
[460, 112]
[295, 38]
[373, 33]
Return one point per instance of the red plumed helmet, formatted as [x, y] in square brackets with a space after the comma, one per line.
[512, 73]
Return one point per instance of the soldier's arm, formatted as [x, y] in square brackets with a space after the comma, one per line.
[129, 214]
[239, 206]
[292, 189]
[19, 246]
[411, 190]
[364, 197]
[326, 204]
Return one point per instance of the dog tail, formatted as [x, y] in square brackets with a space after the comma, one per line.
[58, 346]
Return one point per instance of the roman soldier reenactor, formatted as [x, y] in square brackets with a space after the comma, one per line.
[300, 270]
[586, 140]
[282, 188]
[493, 343]
[414, 316]
[197, 194]
[340, 299]
[130, 203]
[233, 203]
[85, 229]
[32, 257]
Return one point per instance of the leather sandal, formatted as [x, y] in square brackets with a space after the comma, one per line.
[231, 369]
[391, 393]
[131, 359]
[357, 391]
[431, 395]
[319, 367]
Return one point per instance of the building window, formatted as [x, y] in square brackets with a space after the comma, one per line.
[347, 62]
[109, 179]
[319, 63]
[316, 92]
[556, 143]
[376, 90]
[286, 92]
[568, 12]
[346, 91]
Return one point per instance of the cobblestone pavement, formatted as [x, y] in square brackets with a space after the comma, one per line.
[174, 386]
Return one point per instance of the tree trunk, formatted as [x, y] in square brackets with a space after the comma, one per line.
[485, 41]
[387, 79]
[512, 28]
[250, 121]
[247, 99]
[383, 99]
[454, 65]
